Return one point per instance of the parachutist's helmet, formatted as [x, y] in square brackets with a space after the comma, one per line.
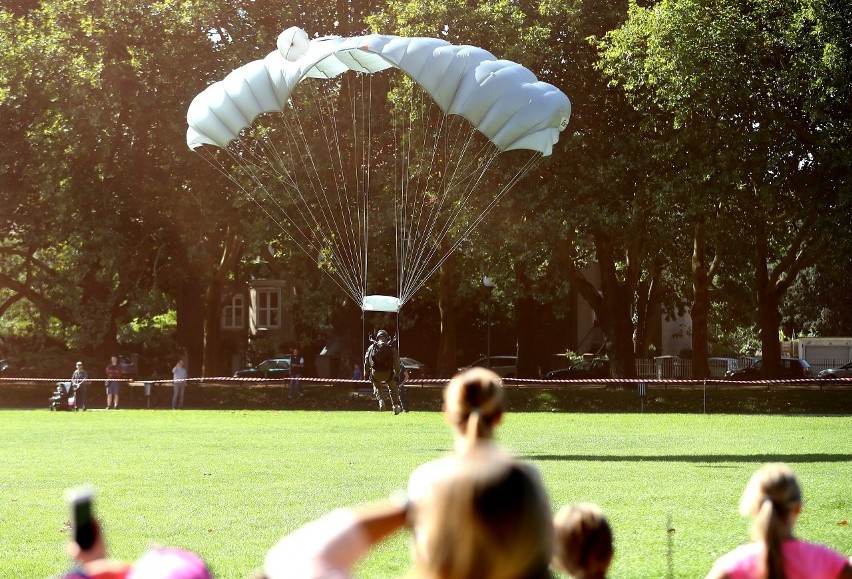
[382, 336]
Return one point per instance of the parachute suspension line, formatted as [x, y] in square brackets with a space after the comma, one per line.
[342, 260]
[313, 251]
[363, 238]
[407, 231]
[343, 231]
[322, 244]
[366, 245]
[219, 166]
[369, 149]
[347, 237]
[449, 137]
[476, 221]
[427, 167]
[435, 232]
[399, 206]
[420, 194]
[320, 251]
[330, 246]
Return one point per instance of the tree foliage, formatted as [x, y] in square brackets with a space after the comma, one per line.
[758, 83]
[705, 168]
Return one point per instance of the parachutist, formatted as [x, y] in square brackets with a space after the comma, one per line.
[382, 368]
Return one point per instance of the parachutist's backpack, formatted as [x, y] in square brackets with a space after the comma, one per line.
[381, 358]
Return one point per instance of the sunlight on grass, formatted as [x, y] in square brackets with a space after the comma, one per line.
[228, 484]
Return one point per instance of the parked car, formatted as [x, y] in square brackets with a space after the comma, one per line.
[793, 368]
[4, 366]
[595, 368]
[842, 372]
[505, 366]
[274, 368]
[719, 367]
[413, 368]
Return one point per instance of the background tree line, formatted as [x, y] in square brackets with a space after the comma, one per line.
[705, 169]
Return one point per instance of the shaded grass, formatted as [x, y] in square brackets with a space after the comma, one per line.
[228, 484]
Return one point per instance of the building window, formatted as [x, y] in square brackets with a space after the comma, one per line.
[268, 309]
[233, 314]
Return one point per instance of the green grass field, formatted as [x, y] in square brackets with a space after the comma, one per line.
[228, 484]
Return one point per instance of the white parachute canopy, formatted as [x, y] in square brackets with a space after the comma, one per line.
[343, 145]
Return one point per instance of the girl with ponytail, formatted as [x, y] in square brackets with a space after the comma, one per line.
[473, 407]
[773, 497]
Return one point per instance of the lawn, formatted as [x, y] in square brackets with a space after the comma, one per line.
[227, 484]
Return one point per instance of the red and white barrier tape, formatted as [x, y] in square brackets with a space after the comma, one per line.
[507, 381]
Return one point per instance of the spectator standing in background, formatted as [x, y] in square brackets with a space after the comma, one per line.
[179, 381]
[79, 384]
[113, 374]
[297, 364]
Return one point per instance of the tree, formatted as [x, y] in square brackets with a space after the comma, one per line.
[603, 210]
[776, 113]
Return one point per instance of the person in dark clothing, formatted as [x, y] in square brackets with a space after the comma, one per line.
[382, 367]
[297, 364]
[79, 384]
[113, 374]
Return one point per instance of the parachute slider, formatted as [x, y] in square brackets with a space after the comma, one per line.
[378, 303]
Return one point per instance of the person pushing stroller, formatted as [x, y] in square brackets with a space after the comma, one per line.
[382, 367]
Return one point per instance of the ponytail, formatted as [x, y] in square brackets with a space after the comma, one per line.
[473, 403]
[474, 427]
[769, 529]
[772, 497]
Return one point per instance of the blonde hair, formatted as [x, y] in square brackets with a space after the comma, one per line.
[772, 497]
[490, 519]
[583, 540]
[473, 403]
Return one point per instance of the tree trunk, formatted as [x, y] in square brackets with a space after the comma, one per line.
[212, 329]
[769, 318]
[231, 252]
[447, 363]
[648, 310]
[618, 327]
[527, 330]
[190, 324]
[616, 316]
[702, 277]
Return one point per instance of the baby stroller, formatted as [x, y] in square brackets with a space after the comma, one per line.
[64, 397]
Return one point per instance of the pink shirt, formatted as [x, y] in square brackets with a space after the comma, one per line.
[802, 560]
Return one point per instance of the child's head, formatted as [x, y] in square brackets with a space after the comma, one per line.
[773, 485]
[473, 403]
[490, 518]
[583, 541]
[773, 497]
[169, 563]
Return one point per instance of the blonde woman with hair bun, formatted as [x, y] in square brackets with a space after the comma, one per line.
[489, 518]
[773, 497]
[473, 407]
